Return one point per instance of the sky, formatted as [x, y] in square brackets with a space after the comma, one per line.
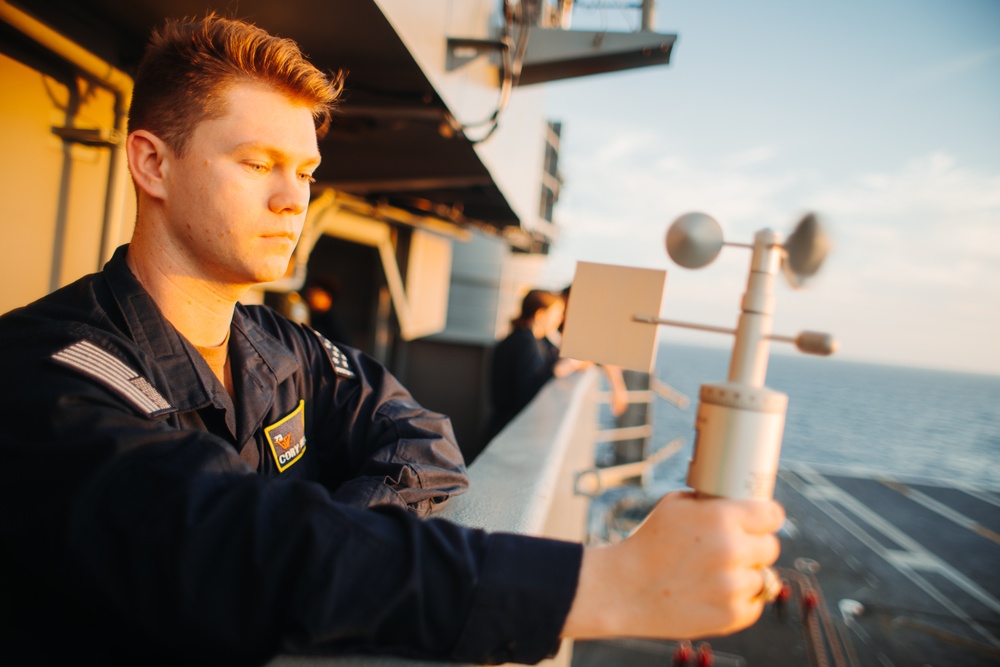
[882, 117]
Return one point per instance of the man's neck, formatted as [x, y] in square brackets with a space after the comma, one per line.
[202, 311]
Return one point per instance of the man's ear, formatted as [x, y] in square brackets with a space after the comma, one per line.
[148, 160]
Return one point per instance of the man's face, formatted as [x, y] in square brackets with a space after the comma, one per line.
[236, 201]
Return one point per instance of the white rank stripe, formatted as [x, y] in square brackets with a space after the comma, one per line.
[338, 359]
[101, 365]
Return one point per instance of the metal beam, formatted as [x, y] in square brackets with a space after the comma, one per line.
[554, 54]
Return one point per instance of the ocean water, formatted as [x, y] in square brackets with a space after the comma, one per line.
[912, 424]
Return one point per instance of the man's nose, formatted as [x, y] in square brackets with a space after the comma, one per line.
[290, 195]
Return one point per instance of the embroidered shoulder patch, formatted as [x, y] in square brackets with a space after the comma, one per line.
[339, 360]
[110, 371]
[287, 437]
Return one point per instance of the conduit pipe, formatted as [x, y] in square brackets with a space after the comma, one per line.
[107, 76]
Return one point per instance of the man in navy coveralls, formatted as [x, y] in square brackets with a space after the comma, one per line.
[187, 479]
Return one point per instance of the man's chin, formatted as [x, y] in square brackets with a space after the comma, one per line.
[271, 274]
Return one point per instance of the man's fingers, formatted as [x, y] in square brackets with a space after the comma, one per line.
[762, 550]
[762, 516]
[770, 585]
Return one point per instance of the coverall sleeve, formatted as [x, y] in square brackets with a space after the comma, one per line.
[143, 544]
[389, 449]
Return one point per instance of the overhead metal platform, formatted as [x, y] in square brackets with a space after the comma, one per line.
[393, 139]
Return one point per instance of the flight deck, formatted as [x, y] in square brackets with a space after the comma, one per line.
[880, 572]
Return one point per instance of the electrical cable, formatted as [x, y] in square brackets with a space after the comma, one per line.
[510, 66]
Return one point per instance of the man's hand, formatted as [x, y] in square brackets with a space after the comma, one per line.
[692, 569]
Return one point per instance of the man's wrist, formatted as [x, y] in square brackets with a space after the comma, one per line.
[594, 612]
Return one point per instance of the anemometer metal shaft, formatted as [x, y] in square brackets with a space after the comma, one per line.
[748, 363]
[740, 422]
[809, 342]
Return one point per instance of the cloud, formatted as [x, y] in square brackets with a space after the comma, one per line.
[750, 157]
[916, 252]
[934, 185]
[623, 145]
[931, 223]
[929, 213]
[634, 182]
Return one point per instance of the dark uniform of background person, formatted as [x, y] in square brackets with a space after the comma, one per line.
[167, 503]
[525, 360]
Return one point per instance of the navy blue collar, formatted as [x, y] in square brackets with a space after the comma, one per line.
[192, 385]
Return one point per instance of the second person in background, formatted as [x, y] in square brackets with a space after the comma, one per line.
[527, 358]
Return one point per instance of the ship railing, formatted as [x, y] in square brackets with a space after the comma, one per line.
[524, 482]
[628, 457]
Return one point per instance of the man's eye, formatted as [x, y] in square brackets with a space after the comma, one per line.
[257, 167]
[307, 178]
